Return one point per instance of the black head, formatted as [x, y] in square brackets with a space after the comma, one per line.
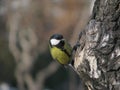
[57, 40]
[56, 36]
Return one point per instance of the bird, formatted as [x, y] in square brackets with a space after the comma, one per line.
[60, 49]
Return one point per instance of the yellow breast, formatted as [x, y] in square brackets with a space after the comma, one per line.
[59, 55]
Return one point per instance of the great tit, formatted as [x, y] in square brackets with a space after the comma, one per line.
[60, 49]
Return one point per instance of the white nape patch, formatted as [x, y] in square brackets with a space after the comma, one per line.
[54, 41]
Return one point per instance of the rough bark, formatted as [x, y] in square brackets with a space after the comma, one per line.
[97, 59]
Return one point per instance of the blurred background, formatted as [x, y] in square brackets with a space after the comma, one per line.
[25, 28]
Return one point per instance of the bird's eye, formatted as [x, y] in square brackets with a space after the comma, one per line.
[62, 43]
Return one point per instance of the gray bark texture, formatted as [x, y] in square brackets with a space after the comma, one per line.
[97, 57]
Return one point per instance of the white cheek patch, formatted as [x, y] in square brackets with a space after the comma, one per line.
[54, 41]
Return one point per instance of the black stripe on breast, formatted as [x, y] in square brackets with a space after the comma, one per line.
[66, 52]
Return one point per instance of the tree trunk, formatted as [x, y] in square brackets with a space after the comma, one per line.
[97, 57]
